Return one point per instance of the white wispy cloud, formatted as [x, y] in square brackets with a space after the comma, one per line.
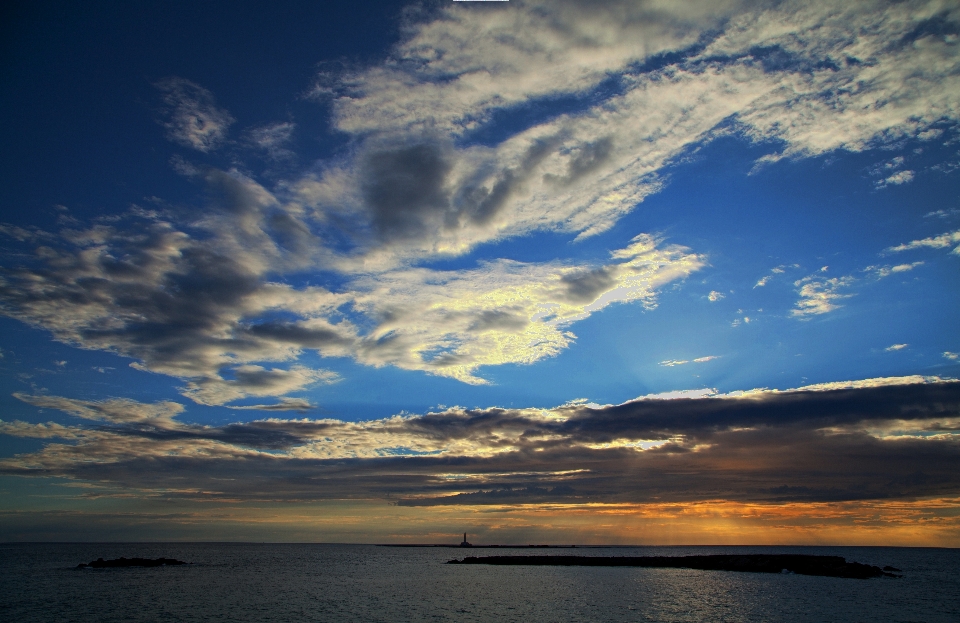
[776, 270]
[953, 212]
[469, 63]
[274, 139]
[895, 347]
[885, 271]
[900, 177]
[819, 295]
[669, 363]
[192, 118]
[787, 72]
[889, 174]
[943, 241]
[116, 410]
[715, 296]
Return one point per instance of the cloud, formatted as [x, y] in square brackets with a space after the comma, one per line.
[795, 67]
[885, 271]
[274, 139]
[886, 438]
[889, 175]
[942, 213]
[943, 241]
[285, 404]
[791, 73]
[612, 99]
[900, 177]
[679, 362]
[192, 118]
[951, 356]
[253, 380]
[190, 304]
[49, 430]
[895, 347]
[468, 63]
[741, 320]
[776, 270]
[451, 322]
[819, 295]
[715, 296]
[115, 411]
[202, 306]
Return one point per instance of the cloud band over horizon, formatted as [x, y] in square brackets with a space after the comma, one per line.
[880, 439]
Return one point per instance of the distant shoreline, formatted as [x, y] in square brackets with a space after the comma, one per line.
[493, 546]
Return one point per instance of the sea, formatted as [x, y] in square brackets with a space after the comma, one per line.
[330, 582]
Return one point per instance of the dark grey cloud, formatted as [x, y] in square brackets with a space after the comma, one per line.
[501, 319]
[405, 189]
[187, 301]
[590, 158]
[586, 286]
[478, 205]
[889, 442]
[299, 334]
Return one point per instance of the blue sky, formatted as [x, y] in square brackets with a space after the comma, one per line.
[224, 225]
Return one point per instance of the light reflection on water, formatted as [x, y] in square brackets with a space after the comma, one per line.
[251, 582]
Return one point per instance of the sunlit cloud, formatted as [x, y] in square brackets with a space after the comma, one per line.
[820, 295]
[943, 241]
[450, 323]
[885, 271]
[900, 177]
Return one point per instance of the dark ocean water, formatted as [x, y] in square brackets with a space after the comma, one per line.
[306, 582]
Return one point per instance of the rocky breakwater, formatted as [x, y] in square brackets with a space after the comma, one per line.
[801, 564]
[100, 563]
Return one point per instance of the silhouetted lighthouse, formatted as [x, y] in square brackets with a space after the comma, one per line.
[465, 544]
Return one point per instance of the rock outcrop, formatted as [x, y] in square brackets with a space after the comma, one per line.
[802, 564]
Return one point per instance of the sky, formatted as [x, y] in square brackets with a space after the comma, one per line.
[638, 272]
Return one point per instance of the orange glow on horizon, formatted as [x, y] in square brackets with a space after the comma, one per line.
[916, 523]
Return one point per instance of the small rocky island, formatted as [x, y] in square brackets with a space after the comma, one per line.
[100, 563]
[801, 564]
